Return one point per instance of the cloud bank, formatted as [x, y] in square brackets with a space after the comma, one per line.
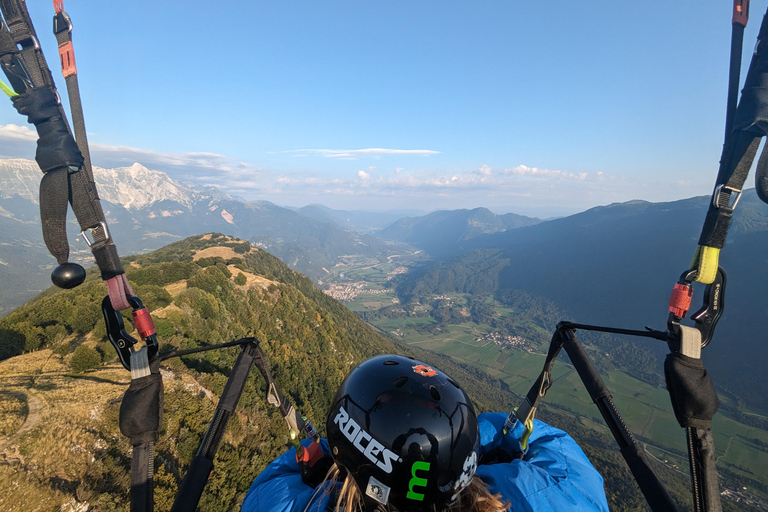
[355, 154]
[403, 183]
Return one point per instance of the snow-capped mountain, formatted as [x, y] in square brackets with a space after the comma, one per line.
[146, 210]
[132, 187]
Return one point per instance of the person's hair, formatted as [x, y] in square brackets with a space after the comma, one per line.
[474, 498]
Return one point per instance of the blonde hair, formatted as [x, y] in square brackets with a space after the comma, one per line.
[474, 498]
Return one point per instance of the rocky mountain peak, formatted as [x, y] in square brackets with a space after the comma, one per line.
[134, 187]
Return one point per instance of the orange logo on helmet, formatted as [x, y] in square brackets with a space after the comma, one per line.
[424, 370]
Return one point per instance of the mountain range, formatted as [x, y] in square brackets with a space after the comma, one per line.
[146, 210]
[440, 233]
[612, 265]
[616, 265]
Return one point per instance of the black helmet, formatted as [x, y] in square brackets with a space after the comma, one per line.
[406, 432]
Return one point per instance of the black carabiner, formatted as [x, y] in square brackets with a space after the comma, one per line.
[120, 339]
[707, 317]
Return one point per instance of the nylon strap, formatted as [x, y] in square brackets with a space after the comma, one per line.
[142, 460]
[62, 28]
[24, 36]
[750, 124]
[274, 395]
[68, 176]
[730, 182]
[527, 410]
[690, 342]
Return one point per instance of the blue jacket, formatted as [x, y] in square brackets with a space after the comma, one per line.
[554, 474]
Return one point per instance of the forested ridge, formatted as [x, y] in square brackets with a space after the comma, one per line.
[204, 290]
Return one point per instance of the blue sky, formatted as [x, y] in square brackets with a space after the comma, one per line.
[541, 108]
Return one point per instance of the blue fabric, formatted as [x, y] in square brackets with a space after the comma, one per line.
[554, 474]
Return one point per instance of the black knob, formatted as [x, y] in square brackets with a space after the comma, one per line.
[68, 275]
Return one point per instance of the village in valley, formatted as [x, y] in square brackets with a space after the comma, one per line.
[505, 341]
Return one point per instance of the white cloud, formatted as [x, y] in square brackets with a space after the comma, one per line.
[16, 132]
[367, 187]
[524, 170]
[354, 154]
[484, 170]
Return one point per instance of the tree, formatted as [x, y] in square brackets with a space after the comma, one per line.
[84, 358]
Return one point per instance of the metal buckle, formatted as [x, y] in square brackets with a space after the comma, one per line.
[61, 23]
[91, 242]
[734, 196]
[25, 42]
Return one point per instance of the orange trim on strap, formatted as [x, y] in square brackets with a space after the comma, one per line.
[67, 56]
[58, 5]
[740, 12]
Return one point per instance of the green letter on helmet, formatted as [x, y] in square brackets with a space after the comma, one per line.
[416, 481]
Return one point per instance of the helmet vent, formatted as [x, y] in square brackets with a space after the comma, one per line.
[390, 363]
[400, 381]
[454, 383]
[434, 392]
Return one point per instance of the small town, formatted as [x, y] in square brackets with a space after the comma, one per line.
[348, 292]
[505, 341]
[738, 496]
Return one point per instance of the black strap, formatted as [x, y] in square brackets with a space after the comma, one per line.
[275, 396]
[749, 124]
[141, 413]
[62, 28]
[24, 36]
[761, 176]
[57, 150]
[734, 170]
[142, 483]
[194, 482]
[653, 490]
[704, 478]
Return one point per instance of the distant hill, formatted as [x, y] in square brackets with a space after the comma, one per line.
[439, 233]
[146, 210]
[59, 443]
[616, 265]
[356, 220]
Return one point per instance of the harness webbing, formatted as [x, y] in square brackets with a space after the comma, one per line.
[749, 125]
[64, 160]
[564, 337]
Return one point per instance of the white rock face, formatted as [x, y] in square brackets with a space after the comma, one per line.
[136, 186]
[20, 177]
[132, 187]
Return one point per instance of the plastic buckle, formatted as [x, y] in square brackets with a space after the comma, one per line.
[731, 197]
[91, 242]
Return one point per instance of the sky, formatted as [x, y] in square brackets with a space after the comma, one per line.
[537, 108]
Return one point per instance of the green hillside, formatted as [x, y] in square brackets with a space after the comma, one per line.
[616, 265]
[60, 443]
